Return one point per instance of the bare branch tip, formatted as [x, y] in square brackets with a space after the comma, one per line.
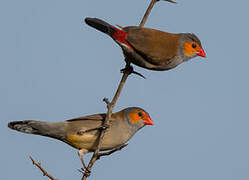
[106, 100]
[44, 172]
[33, 161]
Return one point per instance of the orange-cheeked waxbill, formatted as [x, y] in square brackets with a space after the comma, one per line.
[77, 132]
[150, 48]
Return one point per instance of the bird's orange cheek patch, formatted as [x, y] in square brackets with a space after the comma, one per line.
[134, 118]
[188, 49]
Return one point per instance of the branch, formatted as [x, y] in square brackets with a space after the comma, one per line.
[45, 173]
[146, 15]
[110, 105]
[112, 151]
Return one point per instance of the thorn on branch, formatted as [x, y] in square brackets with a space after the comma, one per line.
[45, 173]
[139, 74]
[169, 1]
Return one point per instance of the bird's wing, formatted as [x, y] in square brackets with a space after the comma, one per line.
[157, 47]
[94, 117]
[78, 134]
[85, 123]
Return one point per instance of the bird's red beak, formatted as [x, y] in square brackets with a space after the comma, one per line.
[148, 121]
[201, 53]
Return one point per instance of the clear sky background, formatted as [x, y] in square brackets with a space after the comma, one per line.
[54, 67]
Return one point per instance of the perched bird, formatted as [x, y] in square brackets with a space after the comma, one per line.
[150, 48]
[82, 132]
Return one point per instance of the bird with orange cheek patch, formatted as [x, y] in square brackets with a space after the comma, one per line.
[82, 133]
[150, 48]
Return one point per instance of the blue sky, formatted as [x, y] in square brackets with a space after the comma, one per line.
[54, 67]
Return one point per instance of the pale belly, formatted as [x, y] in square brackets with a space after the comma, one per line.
[89, 141]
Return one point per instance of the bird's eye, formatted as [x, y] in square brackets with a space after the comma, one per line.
[193, 45]
[140, 114]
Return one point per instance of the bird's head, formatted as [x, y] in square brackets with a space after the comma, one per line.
[137, 117]
[191, 46]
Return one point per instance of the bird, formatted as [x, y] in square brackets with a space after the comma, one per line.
[82, 133]
[151, 48]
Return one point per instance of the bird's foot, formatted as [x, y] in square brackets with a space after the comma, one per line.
[104, 127]
[129, 70]
[106, 100]
[85, 171]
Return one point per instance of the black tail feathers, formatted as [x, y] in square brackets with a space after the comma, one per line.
[55, 130]
[23, 126]
[100, 25]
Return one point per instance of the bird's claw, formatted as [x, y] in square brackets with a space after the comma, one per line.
[85, 171]
[104, 127]
[106, 100]
[129, 69]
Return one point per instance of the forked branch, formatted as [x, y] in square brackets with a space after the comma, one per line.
[110, 105]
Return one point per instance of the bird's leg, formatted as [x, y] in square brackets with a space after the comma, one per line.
[129, 69]
[81, 154]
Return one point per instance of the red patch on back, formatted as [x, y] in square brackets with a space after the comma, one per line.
[120, 36]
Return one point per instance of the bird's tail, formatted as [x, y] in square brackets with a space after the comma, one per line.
[101, 25]
[54, 130]
[117, 34]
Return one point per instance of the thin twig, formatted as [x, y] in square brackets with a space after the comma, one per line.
[146, 15]
[45, 173]
[112, 151]
[110, 105]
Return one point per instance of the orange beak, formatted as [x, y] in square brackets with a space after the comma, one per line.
[148, 121]
[201, 53]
